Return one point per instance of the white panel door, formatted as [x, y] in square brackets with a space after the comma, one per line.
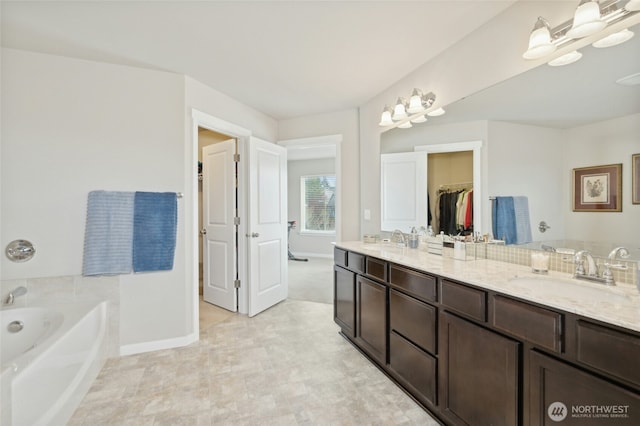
[403, 182]
[219, 230]
[267, 229]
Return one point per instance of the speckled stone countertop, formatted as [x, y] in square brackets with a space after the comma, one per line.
[618, 305]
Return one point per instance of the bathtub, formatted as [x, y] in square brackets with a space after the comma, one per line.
[49, 358]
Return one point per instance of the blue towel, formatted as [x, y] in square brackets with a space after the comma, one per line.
[108, 233]
[510, 217]
[155, 220]
[523, 223]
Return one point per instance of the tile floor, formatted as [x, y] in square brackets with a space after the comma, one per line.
[286, 366]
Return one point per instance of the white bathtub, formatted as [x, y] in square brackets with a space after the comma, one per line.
[49, 365]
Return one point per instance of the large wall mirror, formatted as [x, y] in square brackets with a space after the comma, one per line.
[535, 129]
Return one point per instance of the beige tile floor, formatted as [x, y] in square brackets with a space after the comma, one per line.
[286, 366]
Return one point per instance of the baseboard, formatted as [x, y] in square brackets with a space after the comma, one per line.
[156, 345]
[320, 255]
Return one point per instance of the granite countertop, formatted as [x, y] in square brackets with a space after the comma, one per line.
[618, 305]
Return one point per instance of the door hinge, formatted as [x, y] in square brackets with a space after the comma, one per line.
[236, 283]
[236, 158]
[236, 221]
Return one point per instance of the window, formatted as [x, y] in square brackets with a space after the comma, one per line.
[318, 204]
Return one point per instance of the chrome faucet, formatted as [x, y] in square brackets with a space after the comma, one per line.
[397, 236]
[591, 269]
[591, 272]
[623, 253]
[18, 291]
[618, 251]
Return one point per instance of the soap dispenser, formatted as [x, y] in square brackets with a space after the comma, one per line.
[414, 238]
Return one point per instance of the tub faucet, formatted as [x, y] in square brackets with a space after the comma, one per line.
[18, 291]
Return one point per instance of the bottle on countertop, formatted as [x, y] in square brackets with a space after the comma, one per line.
[430, 231]
[414, 238]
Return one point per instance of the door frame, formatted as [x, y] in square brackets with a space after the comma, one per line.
[479, 183]
[201, 119]
[320, 142]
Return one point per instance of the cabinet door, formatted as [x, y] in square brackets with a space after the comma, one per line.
[478, 374]
[562, 394]
[371, 318]
[344, 303]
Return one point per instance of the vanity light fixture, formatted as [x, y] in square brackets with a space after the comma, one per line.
[436, 112]
[404, 113]
[587, 20]
[418, 119]
[400, 110]
[566, 59]
[591, 17]
[614, 39]
[540, 40]
[385, 118]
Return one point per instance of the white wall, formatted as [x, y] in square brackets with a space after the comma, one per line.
[529, 160]
[344, 123]
[72, 126]
[606, 142]
[210, 101]
[304, 244]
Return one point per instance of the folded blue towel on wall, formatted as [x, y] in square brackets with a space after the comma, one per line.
[510, 218]
[154, 231]
[108, 233]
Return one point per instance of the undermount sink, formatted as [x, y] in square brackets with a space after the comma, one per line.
[573, 289]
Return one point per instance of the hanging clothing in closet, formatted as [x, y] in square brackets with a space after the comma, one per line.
[455, 210]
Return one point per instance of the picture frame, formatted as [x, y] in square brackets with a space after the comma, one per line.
[635, 178]
[597, 188]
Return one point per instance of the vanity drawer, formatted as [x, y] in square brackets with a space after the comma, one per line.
[355, 262]
[416, 368]
[415, 283]
[340, 257]
[612, 351]
[413, 319]
[465, 300]
[533, 324]
[377, 268]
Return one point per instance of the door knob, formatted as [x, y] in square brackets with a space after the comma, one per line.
[253, 235]
[203, 231]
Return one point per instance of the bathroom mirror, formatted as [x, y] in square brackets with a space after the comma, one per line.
[537, 127]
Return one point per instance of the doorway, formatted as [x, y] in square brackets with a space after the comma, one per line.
[313, 163]
[209, 313]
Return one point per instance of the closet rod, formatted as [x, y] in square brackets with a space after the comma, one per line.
[455, 185]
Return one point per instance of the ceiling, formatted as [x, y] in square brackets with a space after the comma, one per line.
[284, 58]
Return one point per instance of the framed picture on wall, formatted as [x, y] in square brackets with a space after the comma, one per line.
[597, 188]
[635, 178]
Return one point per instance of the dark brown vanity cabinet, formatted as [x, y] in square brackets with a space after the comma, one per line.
[344, 294]
[473, 356]
[478, 374]
[371, 318]
[562, 394]
[412, 345]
